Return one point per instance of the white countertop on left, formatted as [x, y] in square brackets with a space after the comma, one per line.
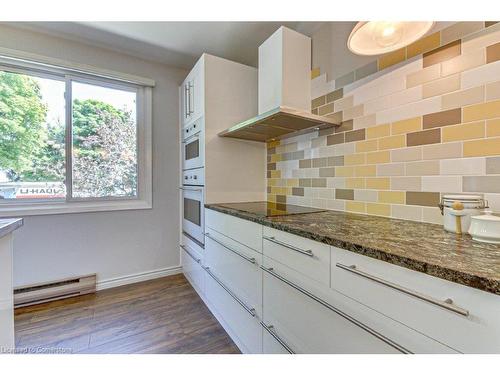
[9, 225]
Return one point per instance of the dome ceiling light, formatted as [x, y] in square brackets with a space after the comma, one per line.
[378, 37]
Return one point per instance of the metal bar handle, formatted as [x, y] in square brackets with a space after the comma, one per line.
[270, 330]
[248, 259]
[447, 304]
[291, 247]
[191, 94]
[190, 189]
[186, 100]
[337, 311]
[197, 260]
[193, 136]
[250, 310]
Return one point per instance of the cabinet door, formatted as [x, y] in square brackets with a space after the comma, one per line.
[192, 268]
[196, 93]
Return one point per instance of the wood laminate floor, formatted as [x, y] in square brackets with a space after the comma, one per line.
[159, 316]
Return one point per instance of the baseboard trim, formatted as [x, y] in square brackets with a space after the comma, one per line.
[138, 277]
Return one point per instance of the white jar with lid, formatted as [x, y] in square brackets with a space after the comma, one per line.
[473, 205]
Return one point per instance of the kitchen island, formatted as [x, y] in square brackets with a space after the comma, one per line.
[7, 226]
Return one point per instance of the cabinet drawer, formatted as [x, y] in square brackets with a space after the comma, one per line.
[236, 319]
[192, 268]
[243, 231]
[307, 325]
[469, 324]
[308, 257]
[235, 265]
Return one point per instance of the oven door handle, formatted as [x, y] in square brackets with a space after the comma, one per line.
[192, 136]
[190, 188]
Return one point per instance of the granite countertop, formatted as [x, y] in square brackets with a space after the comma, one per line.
[9, 225]
[422, 247]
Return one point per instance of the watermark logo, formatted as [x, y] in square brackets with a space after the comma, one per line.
[35, 350]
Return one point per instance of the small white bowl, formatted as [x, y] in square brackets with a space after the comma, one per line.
[485, 228]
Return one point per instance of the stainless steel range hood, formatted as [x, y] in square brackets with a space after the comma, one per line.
[284, 91]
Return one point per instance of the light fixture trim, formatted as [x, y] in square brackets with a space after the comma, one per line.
[411, 31]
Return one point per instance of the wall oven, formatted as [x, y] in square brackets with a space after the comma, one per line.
[193, 145]
[193, 217]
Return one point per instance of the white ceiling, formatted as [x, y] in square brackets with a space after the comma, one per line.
[175, 43]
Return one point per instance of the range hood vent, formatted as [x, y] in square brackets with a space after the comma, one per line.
[284, 91]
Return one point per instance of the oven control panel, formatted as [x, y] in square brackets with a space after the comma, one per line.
[192, 129]
[194, 177]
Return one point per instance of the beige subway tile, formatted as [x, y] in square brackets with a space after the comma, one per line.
[344, 103]
[493, 91]
[443, 53]
[355, 183]
[432, 215]
[405, 212]
[334, 95]
[407, 154]
[352, 206]
[442, 151]
[318, 102]
[365, 170]
[482, 184]
[365, 121]
[460, 29]
[422, 198]
[353, 112]
[406, 183]
[391, 58]
[354, 159]
[366, 195]
[327, 172]
[444, 184]
[493, 128]
[493, 165]
[463, 166]
[355, 135]
[463, 62]
[325, 109]
[482, 147]
[392, 196]
[441, 86]
[344, 127]
[318, 182]
[422, 76]
[378, 209]
[471, 130]
[481, 39]
[423, 45]
[394, 141]
[481, 75]
[406, 126]
[378, 157]
[423, 168]
[397, 169]
[344, 171]
[482, 111]
[366, 146]
[378, 131]
[378, 183]
[462, 98]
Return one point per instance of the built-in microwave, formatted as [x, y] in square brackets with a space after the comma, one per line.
[193, 145]
[193, 201]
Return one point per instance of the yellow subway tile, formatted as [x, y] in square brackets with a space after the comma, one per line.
[482, 147]
[365, 170]
[378, 131]
[379, 183]
[276, 157]
[275, 190]
[272, 182]
[355, 183]
[365, 146]
[391, 58]
[292, 182]
[481, 111]
[378, 157]
[271, 198]
[493, 128]
[424, 45]
[315, 73]
[276, 174]
[407, 126]
[392, 197]
[394, 141]
[344, 171]
[471, 130]
[272, 144]
[379, 209]
[353, 206]
[354, 159]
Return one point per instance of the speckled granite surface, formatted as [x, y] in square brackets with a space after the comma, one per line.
[422, 247]
[9, 225]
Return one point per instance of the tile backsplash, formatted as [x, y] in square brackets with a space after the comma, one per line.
[427, 122]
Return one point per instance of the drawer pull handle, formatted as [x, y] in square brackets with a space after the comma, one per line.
[272, 332]
[337, 311]
[446, 304]
[248, 259]
[250, 310]
[294, 248]
[197, 260]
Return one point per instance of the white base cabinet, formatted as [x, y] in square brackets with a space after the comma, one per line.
[6, 295]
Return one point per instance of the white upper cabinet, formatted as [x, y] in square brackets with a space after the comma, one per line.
[192, 94]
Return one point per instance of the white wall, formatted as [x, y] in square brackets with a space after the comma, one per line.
[111, 244]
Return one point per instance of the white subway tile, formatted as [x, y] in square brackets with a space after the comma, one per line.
[432, 215]
[413, 213]
[481, 75]
[366, 195]
[444, 184]
[410, 110]
[466, 166]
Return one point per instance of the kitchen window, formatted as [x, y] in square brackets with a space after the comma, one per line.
[72, 141]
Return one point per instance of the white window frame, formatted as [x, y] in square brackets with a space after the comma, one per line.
[39, 66]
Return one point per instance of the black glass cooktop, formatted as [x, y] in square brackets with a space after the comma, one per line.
[267, 209]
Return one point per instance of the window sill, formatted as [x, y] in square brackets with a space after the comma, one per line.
[55, 208]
